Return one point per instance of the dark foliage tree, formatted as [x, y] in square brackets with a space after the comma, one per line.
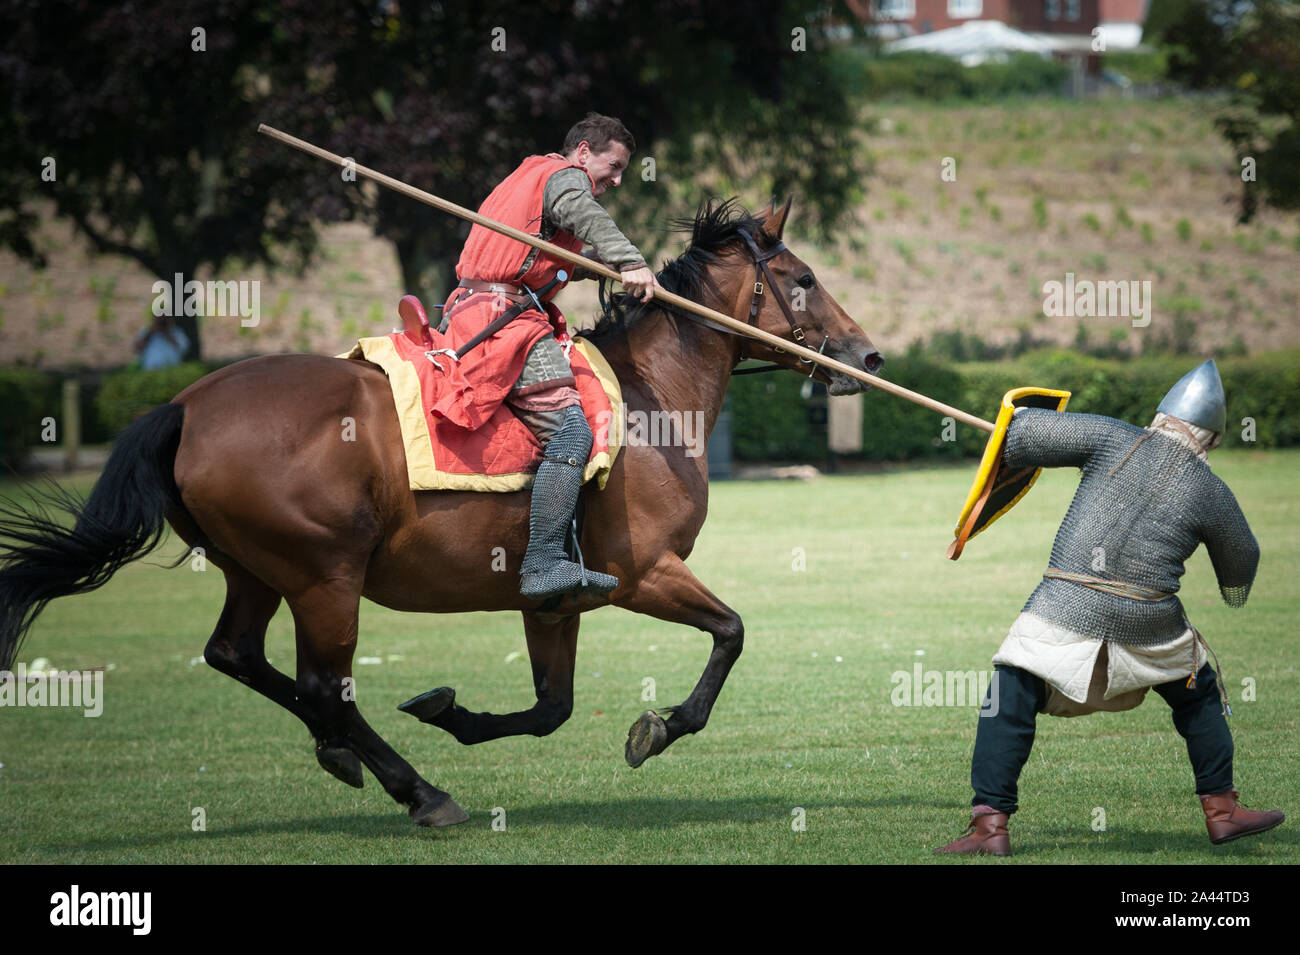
[145, 127]
[738, 97]
[1252, 49]
[158, 157]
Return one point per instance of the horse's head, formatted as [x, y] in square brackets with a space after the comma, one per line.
[781, 295]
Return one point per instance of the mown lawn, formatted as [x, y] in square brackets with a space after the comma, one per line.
[805, 723]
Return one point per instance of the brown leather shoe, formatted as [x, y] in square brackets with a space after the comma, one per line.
[1226, 819]
[985, 836]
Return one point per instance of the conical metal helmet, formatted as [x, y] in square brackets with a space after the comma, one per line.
[1198, 398]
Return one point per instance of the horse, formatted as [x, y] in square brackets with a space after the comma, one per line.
[248, 464]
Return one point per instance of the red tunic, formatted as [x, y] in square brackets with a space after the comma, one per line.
[492, 368]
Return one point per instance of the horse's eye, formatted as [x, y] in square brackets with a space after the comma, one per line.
[806, 280]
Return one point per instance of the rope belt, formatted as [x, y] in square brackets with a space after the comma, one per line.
[1225, 708]
[1118, 588]
[1121, 588]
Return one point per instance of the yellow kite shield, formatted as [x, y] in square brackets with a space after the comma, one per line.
[997, 489]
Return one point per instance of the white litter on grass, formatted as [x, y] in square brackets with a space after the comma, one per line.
[38, 666]
[369, 661]
[595, 676]
[195, 661]
[110, 666]
[654, 647]
[839, 659]
[203, 769]
[814, 653]
[395, 658]
[789, 765]
[920, 653]
[513, 655]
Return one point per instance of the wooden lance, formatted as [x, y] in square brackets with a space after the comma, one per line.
[739, 327]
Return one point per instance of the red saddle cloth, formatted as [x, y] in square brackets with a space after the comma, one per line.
[500, 454]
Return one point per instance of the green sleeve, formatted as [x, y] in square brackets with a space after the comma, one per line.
[569, 205]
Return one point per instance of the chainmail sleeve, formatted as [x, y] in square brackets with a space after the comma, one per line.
[1233, 549]
[569, 205]
[1038, 438]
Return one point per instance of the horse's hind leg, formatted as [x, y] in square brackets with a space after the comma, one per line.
[671, 592]
[237, 648]
[552, 648]
[325, 619]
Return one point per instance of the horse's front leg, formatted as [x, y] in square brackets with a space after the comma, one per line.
[552, 648]
[671, 592]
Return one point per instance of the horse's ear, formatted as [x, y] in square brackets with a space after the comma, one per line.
[774, 221]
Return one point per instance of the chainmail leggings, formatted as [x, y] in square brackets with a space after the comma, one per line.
[1003, 741]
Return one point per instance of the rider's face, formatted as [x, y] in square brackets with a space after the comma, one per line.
[605, 168]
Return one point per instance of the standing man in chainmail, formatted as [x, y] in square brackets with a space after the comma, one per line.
[524, 364]
[1104, 625]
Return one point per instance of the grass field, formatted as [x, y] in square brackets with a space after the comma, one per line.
[805, 723]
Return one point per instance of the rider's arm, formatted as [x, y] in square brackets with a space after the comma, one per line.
[579, 273]
[569, 205]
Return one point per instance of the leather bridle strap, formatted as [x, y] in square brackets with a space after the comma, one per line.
[764, 274]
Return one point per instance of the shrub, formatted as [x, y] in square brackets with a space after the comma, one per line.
[129, 393]
[770, 421]
[932, 76]
[27, 397]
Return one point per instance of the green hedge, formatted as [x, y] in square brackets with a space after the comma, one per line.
[129, 393]
[27, 397]
[770, 420]
[897, 430]
[932, 76]
[1263, 387]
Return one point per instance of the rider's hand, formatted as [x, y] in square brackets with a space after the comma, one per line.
[640, 283]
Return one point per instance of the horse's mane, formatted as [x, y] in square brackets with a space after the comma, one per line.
[715, 226]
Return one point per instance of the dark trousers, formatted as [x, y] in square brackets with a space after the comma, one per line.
[1003, 741]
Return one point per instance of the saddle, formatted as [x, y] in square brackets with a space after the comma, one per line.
[415, 321]
[500, 455]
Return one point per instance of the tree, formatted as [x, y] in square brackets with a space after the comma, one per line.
[450, 97]
[134, 125]
[1252, 49]
[158, 159]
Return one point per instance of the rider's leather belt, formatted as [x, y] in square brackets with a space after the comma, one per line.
[511, 292]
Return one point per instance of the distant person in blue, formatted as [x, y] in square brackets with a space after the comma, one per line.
[162, 344]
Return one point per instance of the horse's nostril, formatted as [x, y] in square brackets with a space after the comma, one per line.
[873, 362]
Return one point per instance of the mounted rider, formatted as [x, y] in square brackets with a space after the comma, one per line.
[1104, 625]
[525, 363]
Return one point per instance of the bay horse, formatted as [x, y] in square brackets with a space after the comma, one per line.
[248, 463]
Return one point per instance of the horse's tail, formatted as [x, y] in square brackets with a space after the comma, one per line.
[124, 518]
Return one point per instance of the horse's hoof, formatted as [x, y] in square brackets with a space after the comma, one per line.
[341, 763]
[438, 812]
[426, 706]
[647, 737]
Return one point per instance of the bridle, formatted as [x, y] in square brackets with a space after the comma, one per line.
[763, 274]
[763, 280]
